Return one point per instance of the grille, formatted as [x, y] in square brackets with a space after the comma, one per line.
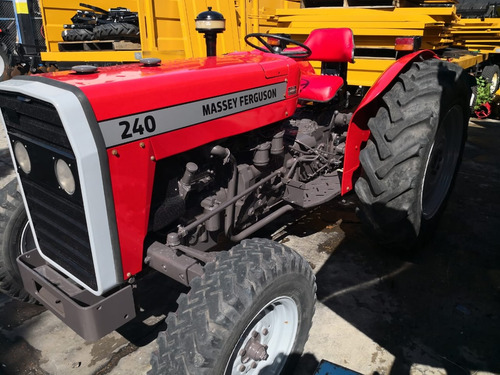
[34, 118]
[61, 231]
[59, 219]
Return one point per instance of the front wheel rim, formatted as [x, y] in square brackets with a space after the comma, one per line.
[267, 341]
[27, 242]
[442, 162]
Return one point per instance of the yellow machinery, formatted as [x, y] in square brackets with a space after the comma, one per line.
[376, 29]
[478, 34]
[167, 28]
[56, 13]
[168, 31]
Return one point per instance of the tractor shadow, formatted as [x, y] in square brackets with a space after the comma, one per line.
[6, 167]
[438, 305]
[155, 296]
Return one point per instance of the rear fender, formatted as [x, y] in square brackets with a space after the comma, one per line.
[358, 132]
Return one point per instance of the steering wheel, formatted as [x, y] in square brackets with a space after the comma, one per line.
[301, 53]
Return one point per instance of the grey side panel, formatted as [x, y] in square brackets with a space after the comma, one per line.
[89, 150]
[120, 130]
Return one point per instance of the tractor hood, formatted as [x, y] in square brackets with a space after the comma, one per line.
[122, 90]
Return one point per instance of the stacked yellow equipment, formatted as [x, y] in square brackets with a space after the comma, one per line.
[375, 31]
[478, 34]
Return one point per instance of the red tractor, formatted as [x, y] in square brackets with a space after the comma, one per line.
[128, 169]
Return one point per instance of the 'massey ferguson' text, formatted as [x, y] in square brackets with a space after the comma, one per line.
[239, 102]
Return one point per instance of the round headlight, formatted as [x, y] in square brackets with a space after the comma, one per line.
[22, 157]
[65, 177]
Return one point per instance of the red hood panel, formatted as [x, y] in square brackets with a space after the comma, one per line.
[133, 88]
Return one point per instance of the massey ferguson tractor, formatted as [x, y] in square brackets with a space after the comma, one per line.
[150, 167]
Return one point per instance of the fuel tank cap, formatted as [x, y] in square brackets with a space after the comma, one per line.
[150, 61]
[84, 69]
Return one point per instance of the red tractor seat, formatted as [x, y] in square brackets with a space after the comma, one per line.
[319, 88]
[331, 45]
[327, 46]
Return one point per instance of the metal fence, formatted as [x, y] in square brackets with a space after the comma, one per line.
[9, 26]
[36, 17]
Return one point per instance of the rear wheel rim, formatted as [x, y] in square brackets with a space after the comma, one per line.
[272, 332]
[442, 162]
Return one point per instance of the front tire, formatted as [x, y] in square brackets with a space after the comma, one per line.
[412, 156]
[250, 313]
[15, 239]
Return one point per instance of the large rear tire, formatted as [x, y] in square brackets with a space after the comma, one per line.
[414, 151]
[250, 313]
[15, 239]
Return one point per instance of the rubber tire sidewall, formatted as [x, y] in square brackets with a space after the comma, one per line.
[428, 225]
[4, 57]
[384, 200]
[116, 31]
[14, 219]
[77, 35]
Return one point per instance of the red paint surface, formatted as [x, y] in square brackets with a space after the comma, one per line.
[319, 88]
[133, 88]
[331, 45]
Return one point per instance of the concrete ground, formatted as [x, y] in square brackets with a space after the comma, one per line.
[433, 311]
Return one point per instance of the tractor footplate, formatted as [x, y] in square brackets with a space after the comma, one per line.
[313, 193]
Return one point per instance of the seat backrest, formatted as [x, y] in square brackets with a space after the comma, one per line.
[331, 45]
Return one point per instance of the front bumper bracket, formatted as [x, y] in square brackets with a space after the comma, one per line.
[92, 317]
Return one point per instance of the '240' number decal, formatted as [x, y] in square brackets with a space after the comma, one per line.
[138, 128]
